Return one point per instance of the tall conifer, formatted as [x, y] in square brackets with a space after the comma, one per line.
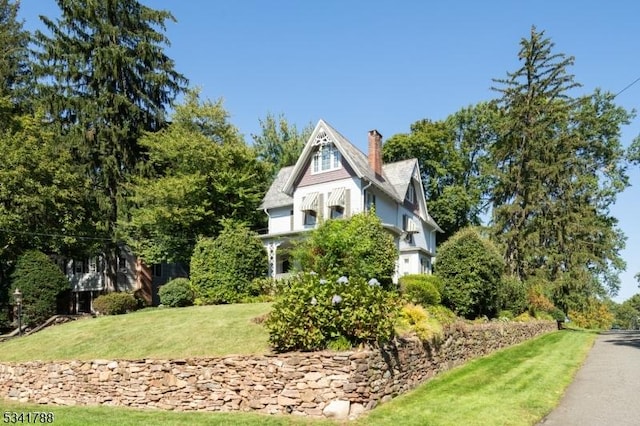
[559, 167]
[105, 79]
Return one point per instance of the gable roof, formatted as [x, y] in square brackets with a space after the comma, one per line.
[399, 174]
[394, 181]
[275, 197]
[352, 155]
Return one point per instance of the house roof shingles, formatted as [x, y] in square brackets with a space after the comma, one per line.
[393, 182]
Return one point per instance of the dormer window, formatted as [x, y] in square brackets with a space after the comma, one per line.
[326, 158]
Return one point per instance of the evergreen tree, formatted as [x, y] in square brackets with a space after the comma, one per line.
[105, 79]
[558, 169]
[14, 62]
[280, 143]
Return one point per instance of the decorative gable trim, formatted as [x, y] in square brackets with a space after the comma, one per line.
[321, 135]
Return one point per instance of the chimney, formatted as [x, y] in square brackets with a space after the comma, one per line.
[375, 151]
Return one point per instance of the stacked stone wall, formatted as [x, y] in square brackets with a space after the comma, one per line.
[332, 384]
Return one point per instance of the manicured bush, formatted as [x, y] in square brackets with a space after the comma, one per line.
[177, 293]
[43, 286]
[471, 269]
[354, 247]
[421, 289]
[314, 311]
[114, 303]
[415, 319]
[222, 269]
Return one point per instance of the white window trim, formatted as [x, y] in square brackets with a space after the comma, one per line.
[335, 160]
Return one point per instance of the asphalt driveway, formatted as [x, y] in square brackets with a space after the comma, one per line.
[606, 390]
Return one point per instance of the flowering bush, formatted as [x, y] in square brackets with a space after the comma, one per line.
[314, 311]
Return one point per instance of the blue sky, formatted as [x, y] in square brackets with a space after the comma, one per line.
[361, 65]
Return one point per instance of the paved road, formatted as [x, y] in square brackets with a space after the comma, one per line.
[606, 390]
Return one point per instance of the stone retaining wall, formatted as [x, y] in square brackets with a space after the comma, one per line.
[333, 384]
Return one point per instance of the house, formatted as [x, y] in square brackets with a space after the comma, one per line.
[88, 278]
[334, 179]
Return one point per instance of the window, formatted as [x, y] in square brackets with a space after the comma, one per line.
[326, 158]
[411, 194]
[370, 201]
[156, 269]
[309, 218]
[337, 212]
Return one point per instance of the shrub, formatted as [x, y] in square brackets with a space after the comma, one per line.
[312, 312]
[513, 295]
[558, 315]
[421, 289]
[266, 286]
[43, 286]
[442, 314]
[524, 317]
[177, 293]
[536, 296]
[471, 269]
[505, 315]
[594, 315]
[222, 269]
[414, 318]
[115, 303]
[354, 247]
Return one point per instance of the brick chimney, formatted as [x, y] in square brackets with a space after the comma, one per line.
[375, 151]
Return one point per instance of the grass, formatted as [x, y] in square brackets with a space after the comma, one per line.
[516, 386]
[154, 333]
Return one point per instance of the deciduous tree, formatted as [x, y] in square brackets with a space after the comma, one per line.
[199, 172]
[280, 142]
[452, 156]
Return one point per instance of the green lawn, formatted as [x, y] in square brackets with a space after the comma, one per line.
[516, 386]
[152, 333]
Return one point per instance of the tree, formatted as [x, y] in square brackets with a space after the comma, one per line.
[14, 63]
[199, 172]
[451, 154]
[557, 171]
[41, 197]
[354, 247]
[471, 269]
[43, 286]
[104, 80]
[280, 143]
[222, 268]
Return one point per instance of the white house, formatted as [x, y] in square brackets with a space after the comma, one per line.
[334, 179]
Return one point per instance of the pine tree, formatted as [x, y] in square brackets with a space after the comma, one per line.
[14, 63]
[559, 168]
[106, 80]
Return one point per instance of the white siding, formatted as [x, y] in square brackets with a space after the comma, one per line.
[324, 189]
[280, 220]
[386, 208]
